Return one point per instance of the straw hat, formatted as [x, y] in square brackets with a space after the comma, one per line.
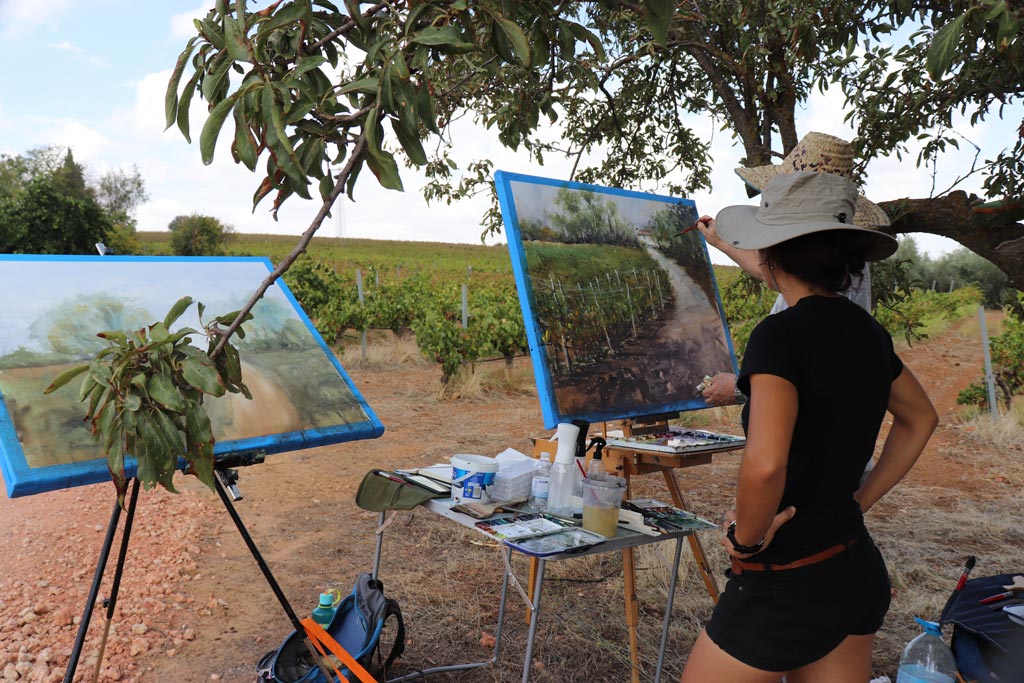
[823, 154]
[797, 204]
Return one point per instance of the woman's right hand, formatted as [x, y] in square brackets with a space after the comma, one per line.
[706, 225]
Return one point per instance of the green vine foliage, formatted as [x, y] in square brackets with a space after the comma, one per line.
[145, 394]
[1007, 353]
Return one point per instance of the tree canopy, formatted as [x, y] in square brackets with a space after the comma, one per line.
[321, 91]
[48, 204]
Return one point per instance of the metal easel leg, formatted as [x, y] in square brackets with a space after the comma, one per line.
[264, 568]
[668, 610]
[632, 611]
[101, 566]
[534, 618]
[698, 550]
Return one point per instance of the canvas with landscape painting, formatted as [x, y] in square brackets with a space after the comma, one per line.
[621, 306]
[301, 396]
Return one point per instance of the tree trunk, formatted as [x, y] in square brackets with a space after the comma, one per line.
[950, 216]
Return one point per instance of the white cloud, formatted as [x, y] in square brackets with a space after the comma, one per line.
[85, 142]
[65, 46]
[18, 17]
[182, 26]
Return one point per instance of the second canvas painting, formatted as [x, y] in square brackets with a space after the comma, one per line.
[622, 309]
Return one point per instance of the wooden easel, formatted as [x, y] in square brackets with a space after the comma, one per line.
[626, 462]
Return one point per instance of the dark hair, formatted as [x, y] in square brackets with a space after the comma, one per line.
[827, 259]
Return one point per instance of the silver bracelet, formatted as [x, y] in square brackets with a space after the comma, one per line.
[739, 395]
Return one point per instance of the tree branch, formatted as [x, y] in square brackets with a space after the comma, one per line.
[300, 247]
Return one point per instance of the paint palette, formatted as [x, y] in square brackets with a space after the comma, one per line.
[679, 440]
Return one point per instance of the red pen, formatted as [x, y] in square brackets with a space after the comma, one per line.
[967, 571]
[995, 598]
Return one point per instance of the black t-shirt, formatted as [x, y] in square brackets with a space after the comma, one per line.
[842, 363]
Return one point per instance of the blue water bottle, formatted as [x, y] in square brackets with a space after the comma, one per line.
[927, 658]
[325, 610]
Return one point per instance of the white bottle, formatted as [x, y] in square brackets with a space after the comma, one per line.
[927, 658]
[561, 483]
[540, 483]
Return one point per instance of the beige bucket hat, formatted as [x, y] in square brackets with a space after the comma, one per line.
[820, 153]
[797, 204]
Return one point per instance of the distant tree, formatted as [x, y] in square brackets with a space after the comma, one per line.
[69, 179]
[198, 235]
[45, 220]
[963, 267]
[120, 193]
[918, 266]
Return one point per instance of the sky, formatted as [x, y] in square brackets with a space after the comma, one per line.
[91, 76]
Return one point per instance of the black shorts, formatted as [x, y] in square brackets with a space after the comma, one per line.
[782, 620]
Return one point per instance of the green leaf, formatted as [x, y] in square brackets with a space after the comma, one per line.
[235, 40]
[171, 95]
[944, 47]
[132, 402]
[280, 146]
[211, 129]
[202, 377]
[659, 18]
[516, 37]
[1008, 26]
[383, 165]
[410, 143]
[364, 85]
[184, 105]
[162, 390]
[65, 377]
[441, 36]
[307, 63]
[179, 307]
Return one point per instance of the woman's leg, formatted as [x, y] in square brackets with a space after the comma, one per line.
[709, 663]
[850, 662]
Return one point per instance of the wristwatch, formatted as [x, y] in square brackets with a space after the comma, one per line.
[737, 546]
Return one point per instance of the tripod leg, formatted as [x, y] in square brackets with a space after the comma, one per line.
[118, 572]
[90, 602]
[269, 576]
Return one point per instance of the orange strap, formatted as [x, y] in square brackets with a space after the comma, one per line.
[322, 639]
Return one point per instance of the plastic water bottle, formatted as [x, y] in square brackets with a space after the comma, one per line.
[560, 484]
[927, 658]
[324, 612]
[540, 483]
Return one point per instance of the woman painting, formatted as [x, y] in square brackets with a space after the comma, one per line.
[808, 589]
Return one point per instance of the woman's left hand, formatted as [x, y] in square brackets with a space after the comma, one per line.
[780, 519]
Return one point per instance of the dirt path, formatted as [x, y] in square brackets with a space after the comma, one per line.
[194, 607]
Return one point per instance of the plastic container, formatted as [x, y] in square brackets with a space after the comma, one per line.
[927, 658]
[514, 477]
[541, 483]
[563, 473]
[471, 477]
[596, 464]
[602, 498]
[324, 612]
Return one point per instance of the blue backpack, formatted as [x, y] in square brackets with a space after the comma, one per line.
[987, 645]
[364, 621]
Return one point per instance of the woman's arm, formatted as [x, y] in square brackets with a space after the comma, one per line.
[773, 409]
[913, 421]
[745, 259]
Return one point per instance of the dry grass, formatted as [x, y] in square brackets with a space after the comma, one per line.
[487, 381]
[384, 350]
[1004, 431]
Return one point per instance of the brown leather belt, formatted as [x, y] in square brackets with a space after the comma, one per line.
[740, 566]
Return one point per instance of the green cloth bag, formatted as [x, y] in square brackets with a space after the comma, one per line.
[378, 492]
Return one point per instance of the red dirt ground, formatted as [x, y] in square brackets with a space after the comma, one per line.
[193, 606]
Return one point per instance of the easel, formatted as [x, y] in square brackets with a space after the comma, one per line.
[626, 462]
[225, 480]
